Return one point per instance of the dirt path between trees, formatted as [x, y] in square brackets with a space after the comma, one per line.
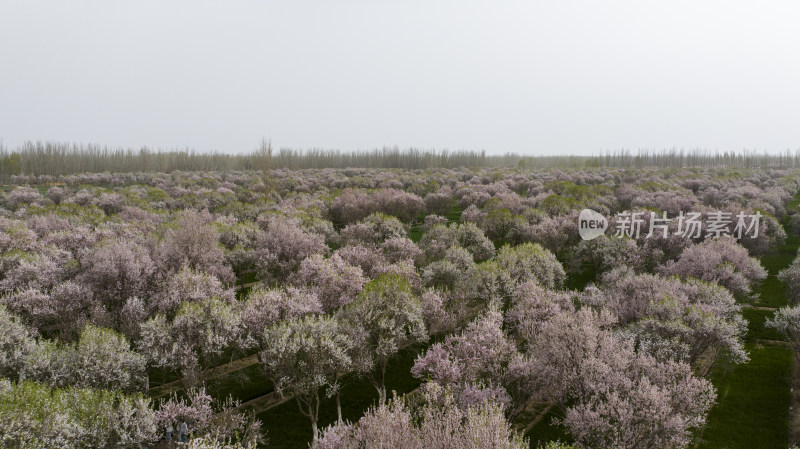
[247, 285]
[219, 370]
[265, 402]
[536, 419]
[750, 306]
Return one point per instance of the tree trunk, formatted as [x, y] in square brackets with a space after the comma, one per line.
[382, 389]
[339, 406]
[314, 429]
[312, 415]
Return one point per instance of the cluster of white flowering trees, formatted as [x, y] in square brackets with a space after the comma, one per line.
[109, 281]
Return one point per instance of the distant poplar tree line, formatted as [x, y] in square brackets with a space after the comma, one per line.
[61, 159]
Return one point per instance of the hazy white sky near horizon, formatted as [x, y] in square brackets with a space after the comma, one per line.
[536, 77]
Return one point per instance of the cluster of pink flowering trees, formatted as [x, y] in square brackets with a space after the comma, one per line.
[107, 280]
[436, 424]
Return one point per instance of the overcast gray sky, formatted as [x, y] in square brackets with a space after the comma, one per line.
[538, 77]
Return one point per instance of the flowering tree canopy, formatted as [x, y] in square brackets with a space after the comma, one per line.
[35, 415]
[719, 260]
[436, 425]
[305, 356]
[386, 317]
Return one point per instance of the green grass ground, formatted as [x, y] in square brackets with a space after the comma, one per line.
[771, 291]
[42, 188]
[752, 409]
[246, 278]
[753, 399]
[415, 232]
[580, 278]
[454, 216]
[545, 431]
[241, 294]
[755, 325]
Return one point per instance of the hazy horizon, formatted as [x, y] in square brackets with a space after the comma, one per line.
[572, 77]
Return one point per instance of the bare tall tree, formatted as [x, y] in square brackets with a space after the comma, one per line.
[264, 163]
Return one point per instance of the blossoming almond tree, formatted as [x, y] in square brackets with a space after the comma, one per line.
[433, 425]
[719, 260]
[787, 321]
[791, 277]
[384, 318]
[474, 365]
[612, 395]
[529, 261]
[266, 307]
[332, 280]
[194, 242]
[216, 423]
[35, 415]
[304, 356]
